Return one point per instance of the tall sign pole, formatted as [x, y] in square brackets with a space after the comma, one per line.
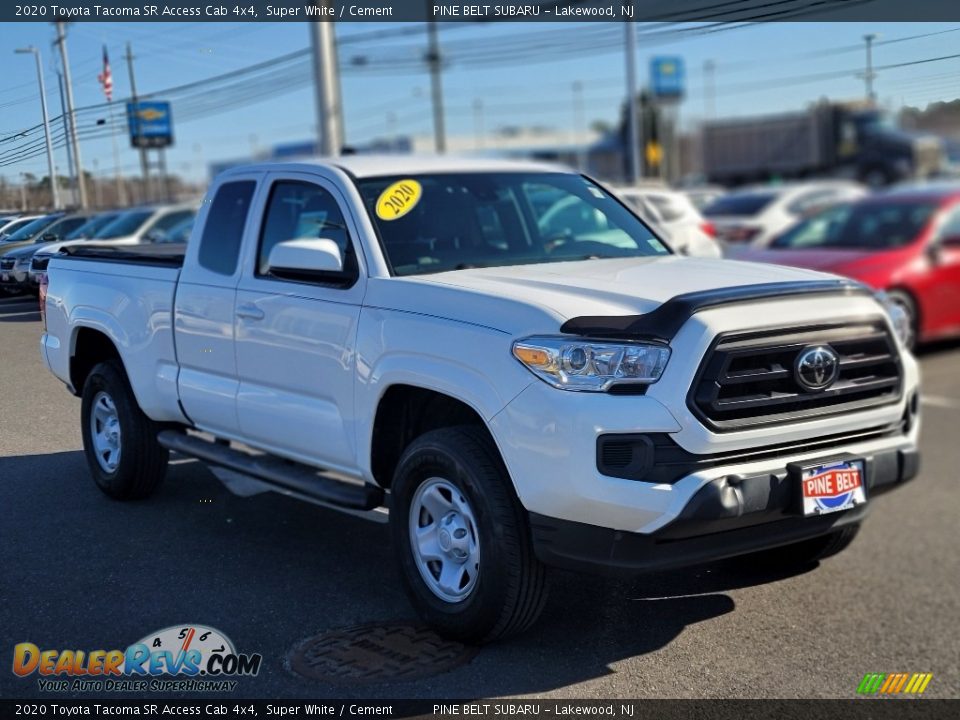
[71, 118]
[326, 86]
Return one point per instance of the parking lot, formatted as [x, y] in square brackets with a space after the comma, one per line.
[78, 570]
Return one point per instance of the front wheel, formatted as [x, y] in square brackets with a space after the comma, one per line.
[463, 544]
[119, 441]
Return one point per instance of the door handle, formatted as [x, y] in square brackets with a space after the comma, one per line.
[249, 311]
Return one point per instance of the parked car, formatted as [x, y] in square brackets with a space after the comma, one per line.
[905, 242]
[29, 232]
[15, 263]
[755, 215]
[86, 231]
[164, 223]
[702, 196]
[12, 226]
[675, 216]
[405, 337]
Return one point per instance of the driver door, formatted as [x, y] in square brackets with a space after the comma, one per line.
[295, 338]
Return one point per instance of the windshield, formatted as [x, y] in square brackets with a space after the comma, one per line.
[126, 224]
[434, 223]
[862, 226]
[739, 204]
[14, 226]
[90, 228]
[31, 229]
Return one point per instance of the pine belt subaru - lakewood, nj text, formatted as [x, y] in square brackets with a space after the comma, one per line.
[422, 338]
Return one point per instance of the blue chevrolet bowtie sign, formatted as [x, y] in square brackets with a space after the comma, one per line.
[667, 77]
[150, 123]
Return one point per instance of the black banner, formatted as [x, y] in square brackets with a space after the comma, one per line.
[499, 11]
[859, 709]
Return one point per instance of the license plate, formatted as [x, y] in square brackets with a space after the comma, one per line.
[5, 277]
[833, 487]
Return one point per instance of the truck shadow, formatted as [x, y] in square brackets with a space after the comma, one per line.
[269, 571]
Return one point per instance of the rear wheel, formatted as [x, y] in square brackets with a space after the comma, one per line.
[466, 559]
[119, 441]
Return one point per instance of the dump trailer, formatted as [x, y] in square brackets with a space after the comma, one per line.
[829, 139]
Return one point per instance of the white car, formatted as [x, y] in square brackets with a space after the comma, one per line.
[756, 214]
[148, 224]
[674, 214]
[404, 338]
[10, 225]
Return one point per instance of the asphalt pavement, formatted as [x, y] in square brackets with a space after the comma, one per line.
[78, 570]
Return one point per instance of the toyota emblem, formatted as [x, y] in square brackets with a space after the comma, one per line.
[817, 368]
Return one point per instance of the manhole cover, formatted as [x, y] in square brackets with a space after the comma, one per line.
[377, 653]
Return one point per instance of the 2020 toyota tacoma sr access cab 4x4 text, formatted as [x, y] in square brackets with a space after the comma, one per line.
[502, 358]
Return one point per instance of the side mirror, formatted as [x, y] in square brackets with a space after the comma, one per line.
[49, 237]
[308, 255]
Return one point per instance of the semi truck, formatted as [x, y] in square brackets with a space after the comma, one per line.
[849, 140]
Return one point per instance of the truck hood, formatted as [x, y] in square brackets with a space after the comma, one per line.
[571, 289]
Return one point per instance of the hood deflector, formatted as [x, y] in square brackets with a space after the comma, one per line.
[665, 321]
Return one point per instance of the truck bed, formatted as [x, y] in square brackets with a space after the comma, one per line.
[162, 254]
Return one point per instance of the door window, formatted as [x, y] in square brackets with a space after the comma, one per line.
[300, 210]
[223, 228]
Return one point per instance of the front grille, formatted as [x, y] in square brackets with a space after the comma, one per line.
[40, 264]
[748, 379]
[7, 263]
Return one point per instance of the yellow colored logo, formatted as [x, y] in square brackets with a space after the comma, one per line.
[398, 199]
[151, 114]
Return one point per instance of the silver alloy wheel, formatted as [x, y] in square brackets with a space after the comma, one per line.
[105, 431]
[445, 540]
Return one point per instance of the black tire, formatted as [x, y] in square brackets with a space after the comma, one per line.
[510, 588]
[142, 462]
[909, 305]
[801, 554]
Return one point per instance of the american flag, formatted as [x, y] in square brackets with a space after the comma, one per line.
[106, 77]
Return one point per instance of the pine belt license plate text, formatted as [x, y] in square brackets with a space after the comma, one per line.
[832, 488]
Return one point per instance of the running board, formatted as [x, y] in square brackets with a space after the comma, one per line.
[285, 474]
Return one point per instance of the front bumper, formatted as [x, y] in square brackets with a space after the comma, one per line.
[730, 515]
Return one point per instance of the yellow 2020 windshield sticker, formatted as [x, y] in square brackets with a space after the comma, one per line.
[398, 199]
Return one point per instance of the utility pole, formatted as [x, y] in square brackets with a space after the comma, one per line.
[51, 168]
[579, 132]
[326, 80]
[633, 139]
[709, 89]
[144, 165]
[71, 170]
[436, 84]
[869, 75]
[71, 118]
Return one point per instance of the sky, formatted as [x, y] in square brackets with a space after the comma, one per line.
[499, 75]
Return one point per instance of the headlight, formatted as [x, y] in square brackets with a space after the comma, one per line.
[899, 318]
[592, 366]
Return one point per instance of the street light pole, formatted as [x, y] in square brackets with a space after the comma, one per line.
[51, 169]
[71, 118]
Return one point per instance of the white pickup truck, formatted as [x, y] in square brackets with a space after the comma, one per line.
[515, 386]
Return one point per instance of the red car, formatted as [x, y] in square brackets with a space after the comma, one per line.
[905, 241]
